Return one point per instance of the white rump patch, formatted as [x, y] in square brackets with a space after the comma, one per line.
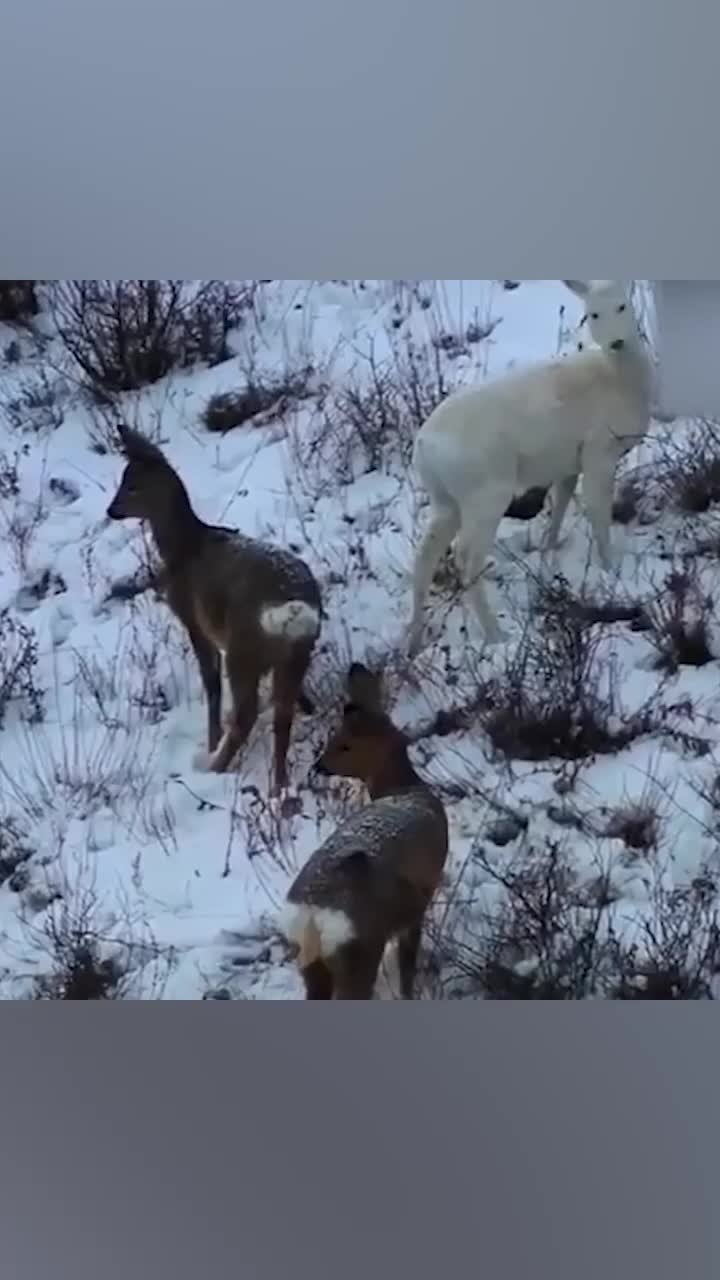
[295, 620]
[332, 928]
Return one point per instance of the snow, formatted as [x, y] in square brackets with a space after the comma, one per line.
[193, 867]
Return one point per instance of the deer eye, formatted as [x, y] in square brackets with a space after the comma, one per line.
[594, 315]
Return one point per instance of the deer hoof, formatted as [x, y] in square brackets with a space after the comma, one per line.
[207, 762]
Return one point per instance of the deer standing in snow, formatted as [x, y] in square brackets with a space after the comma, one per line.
[542, 426]
[375, 877]
[254, 603]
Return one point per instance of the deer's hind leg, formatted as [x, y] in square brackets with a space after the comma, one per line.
[562, 493]
[481, 515]
[355, 968]
[319, 982]
[444, 524]
[408, 946]
[598, 486]
[288, 675]
[244, 673]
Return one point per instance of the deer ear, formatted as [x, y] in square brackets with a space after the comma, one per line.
[138, 448]
[364, 688]
[578, 287]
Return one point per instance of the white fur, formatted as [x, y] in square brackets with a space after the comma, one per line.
[295, 620]
[334, 927]
[543, 425]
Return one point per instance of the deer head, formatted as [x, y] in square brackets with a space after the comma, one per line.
[366, 737]
[144, 483]
[609, 312]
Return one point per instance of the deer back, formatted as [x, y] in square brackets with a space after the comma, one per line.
[230, 581]
[381, 866]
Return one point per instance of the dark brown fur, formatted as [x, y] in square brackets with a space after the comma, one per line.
[382, 866]
[217, 582]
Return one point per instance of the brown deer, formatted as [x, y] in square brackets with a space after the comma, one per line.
[254, 603]
[375, 877]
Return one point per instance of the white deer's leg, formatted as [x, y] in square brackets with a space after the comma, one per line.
[444, 524]
[478, 530]
[598, 490]
[562, 493]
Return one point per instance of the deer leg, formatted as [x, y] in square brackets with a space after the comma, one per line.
[481, 517]
[598, 488]
[563, 491]
[407, 954]
[318, 981]
[208, 660]
[355, 968]
[444, 524]
[288, 677]
[244, 679]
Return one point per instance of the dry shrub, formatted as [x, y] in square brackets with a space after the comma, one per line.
[554, 697]
[548, 935]
[372, 418]
[18, 301]
[85, 957]
[15, 852]
[19, 668]
[37, 404]
[122, 335]
[689, 472]
[265, 396]
[680, 621]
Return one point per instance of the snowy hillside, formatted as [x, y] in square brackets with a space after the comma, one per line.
[583, 851]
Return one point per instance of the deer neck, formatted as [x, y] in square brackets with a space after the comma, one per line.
[633, 363]
[176, 529]
[394, 775]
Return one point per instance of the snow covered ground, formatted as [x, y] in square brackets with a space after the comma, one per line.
[178, 874]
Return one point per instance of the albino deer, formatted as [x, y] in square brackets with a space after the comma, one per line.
[253, 602]
[540, 426]
[376, 875]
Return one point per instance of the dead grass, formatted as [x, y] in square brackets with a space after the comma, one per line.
[681, 619]
[262, 400]
[122, 335]
[19, 302]
[540, 932]
[555, 697]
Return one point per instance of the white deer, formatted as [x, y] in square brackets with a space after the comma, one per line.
[544, 425]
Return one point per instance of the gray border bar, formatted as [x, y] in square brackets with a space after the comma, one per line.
[388, 139]
[411, 1140]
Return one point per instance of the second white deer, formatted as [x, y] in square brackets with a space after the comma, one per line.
[544, 425]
